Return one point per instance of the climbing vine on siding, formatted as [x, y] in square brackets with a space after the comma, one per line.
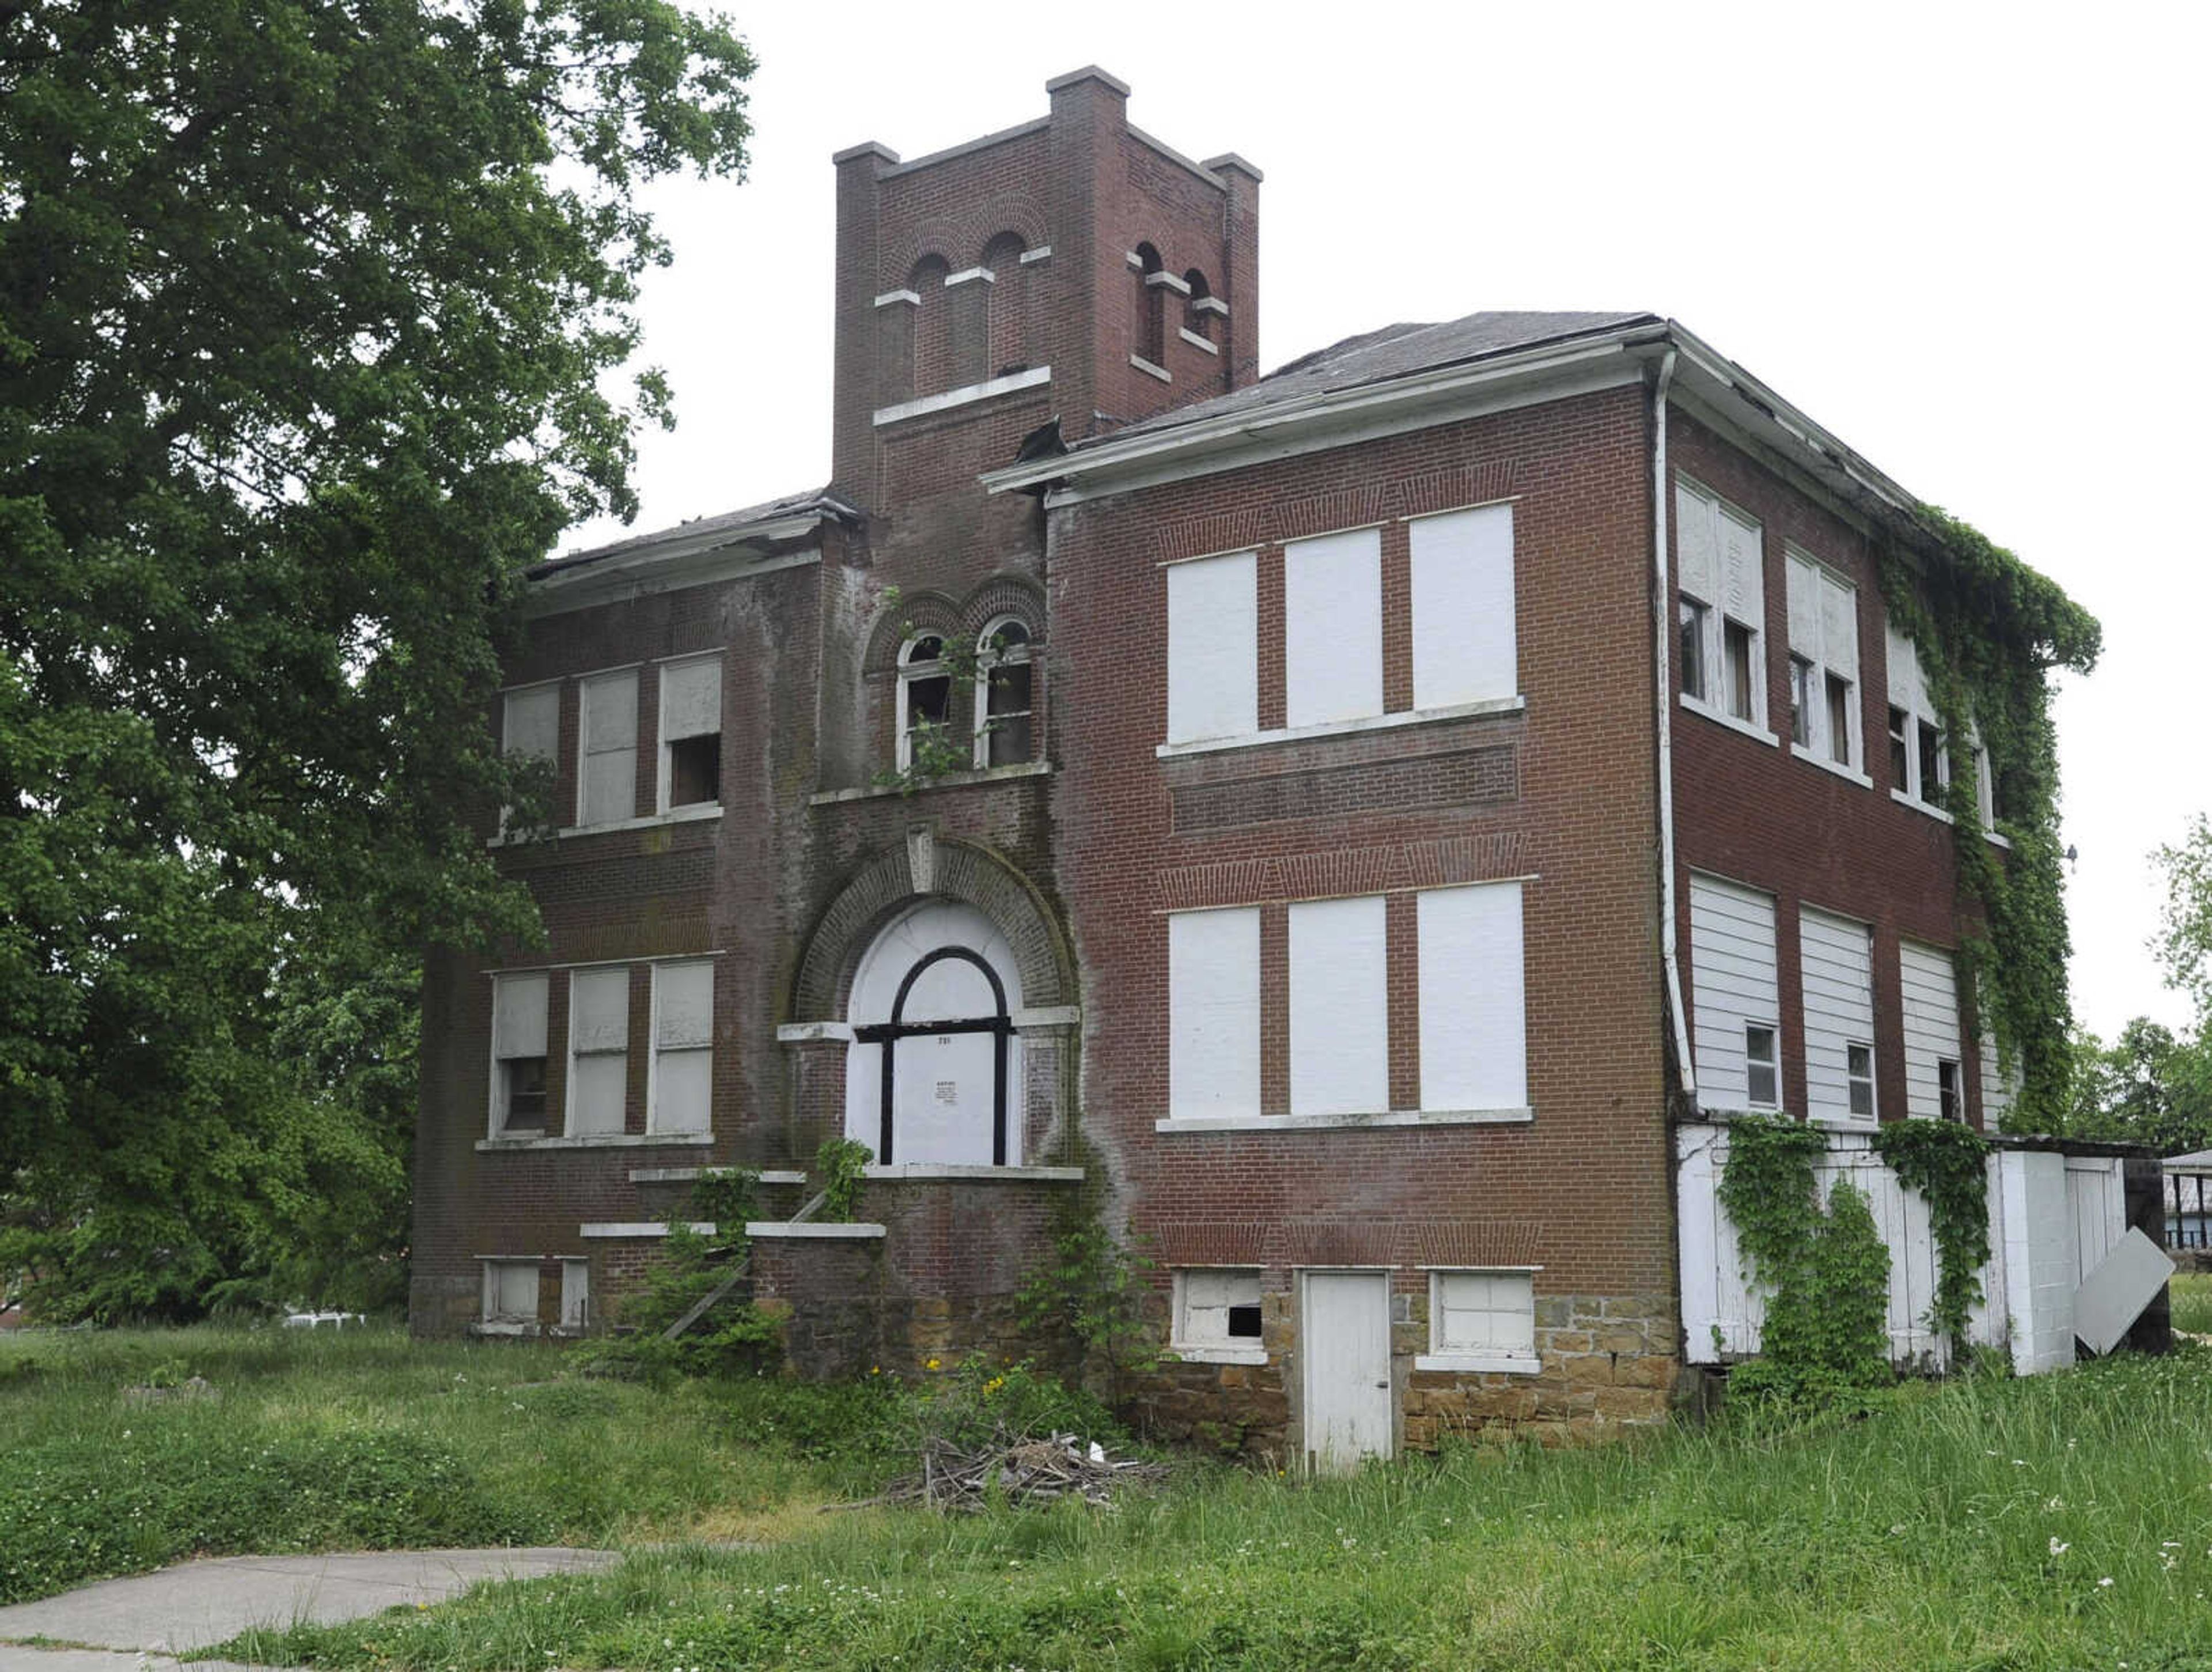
[1989, 631]
[1947, 1164]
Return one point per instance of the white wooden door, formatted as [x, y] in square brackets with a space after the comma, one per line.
[1344, 1337]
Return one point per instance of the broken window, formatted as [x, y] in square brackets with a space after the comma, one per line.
[1736, 641]
[1218, 1308]
[1901, 752]
[1004, 696]
[1801, 701]
[691, 732]
[1695, 681]
[518, 1048]
[925, 699]
[1948, 1103]
[1839, 719]
[1932, 763]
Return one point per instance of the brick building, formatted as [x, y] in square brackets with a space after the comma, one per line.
[1300, 818]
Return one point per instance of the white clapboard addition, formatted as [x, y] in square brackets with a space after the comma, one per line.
[1213, 1013]
[1837, 961]
[1213, 648]
[1733, 976]
[599, 1050]
[606, 781]
[682, 1047]
[2096, 1195]
[1464, 640]
[1930, 986]
[1339, 1007]
[1333, 628]
[1474, 1012]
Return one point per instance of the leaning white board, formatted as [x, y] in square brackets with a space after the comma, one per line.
[2112, 1296]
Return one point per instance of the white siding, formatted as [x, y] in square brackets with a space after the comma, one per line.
[1213, 1013]
[599, 1050]
[1474, 1052]
[1213, 648]
[1931, 1024]
[2000, 1088]
[1339, 1007]
[1837, 968]
[606, 783]
[691, 698]
[1333, 628]
[682, 1047]
[531, 724]
[1464, 644]
[1732, 974]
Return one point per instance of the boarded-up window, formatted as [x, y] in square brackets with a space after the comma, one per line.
[682, 1047]
[1333, 628]
[1482, 1313]
[1733, 976]
[1930, 985]
[575, 1294]
[1836, 955]
[599, 1050]
[1464, 642]
[691, 732]
[1213, 648]
[510, 1292]
[530, 723]
[1720, 560]
[1824, 632]
[517, 1053]
[1339, 1007]
[1213, 1013]
[606, 777]
[1217, 1307]
[1474, 1025]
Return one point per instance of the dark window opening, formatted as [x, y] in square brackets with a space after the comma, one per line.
[1946, 1090]
[1200, 320]
[1694, 650]
[1244, 1322]
[1008, 700]
[1859, 1071]
[1801, 701]
[1735, 650]
[525, 1093]
[1931, 764]
[1151, 319]
[694, 769]
[1839, 719]
[1899, 755]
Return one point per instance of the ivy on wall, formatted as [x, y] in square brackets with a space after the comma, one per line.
[1947, 1164]
[1989, 631]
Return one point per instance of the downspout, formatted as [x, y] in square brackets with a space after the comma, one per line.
[1663, 624]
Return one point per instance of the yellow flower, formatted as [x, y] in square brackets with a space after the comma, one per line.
[932, 1365]
[875, 1369]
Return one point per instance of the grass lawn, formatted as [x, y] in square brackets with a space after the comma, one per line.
[2191, 1294]
[2064, 1521]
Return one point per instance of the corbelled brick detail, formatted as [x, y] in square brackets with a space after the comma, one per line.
[1456, 777]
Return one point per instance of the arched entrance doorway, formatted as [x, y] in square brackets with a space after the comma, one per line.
[934, 1071]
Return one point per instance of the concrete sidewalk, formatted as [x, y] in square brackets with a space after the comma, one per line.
[195, 1604]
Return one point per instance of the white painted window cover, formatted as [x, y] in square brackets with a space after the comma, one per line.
[1824, 629]
[606, 768]
[518, 1032]
[1209, 1301]
[1333, 628]
[1213, 1013]
[1473, 997]
[1213, 648]
[1340, 1006]
[1929, 983]
[510, 1291]
[1734, 984]
[680, 1097]
[690, 706]
[1482, 1319]
[599, 1050]
[1465, 645]
[1720, 563]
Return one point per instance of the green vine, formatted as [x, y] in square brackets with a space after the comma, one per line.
[842, 1163]
[937, 748]
[1947, 1164]
[1825, 1336]
[1989, 630]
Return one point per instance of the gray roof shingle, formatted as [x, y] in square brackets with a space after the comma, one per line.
[817, 499]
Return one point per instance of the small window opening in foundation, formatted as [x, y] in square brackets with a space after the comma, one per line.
[1244, 1322]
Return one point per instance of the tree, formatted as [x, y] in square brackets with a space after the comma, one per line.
[2184, 940]
[2147, 1087]
[305, 307]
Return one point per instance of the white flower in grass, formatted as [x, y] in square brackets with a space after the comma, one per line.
[2058, 1546]
[2052, 1505]
[2105, 1583]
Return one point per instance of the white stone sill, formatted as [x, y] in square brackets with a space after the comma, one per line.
[630, 1229]
[987, 775]
[974, 392]
[1150, 369]
[923, 1172]
[1849, 775]
[1491, 1364]
[1219, 1355]
[1196, 341]
[1758, 734]
[685, 1175]
[1395, 1117]
[807, 1231]
[608, 1140]
[651, 821]
[1858, 1123]
[1335, 728]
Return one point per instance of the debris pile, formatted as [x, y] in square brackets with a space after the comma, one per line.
[1016, 1469]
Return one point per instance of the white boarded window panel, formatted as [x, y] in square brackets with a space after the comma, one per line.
[607, 787]
[1839, 625]
[1485, 1312]
[511, 1290]
[690, 699]
[1931, 1024]
[531, 725]
[1697, 543]
[1213, 1013]
[1208, 1295]
[1333, 628]
[1339, 1007]
[1805, 607]
[1838, 969]
[1464, 645]
[683, 1038]
[1474, 1051]
[1743, 579]
[1732, 974]
[1824, 629]
[1213, 648]
[518, 1020]
[575, 1293]
[599, 1050]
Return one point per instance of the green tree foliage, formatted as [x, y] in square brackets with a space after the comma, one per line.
[306, 312]
[2185, 941]
[2147, 1087]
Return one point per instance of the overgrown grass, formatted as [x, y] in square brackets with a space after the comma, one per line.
[2191, 1293]
[318, 1440]
[2059, 1521]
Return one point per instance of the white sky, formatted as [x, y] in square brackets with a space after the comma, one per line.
[1966, 238]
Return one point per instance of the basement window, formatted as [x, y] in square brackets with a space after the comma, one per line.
[1483, 1315]
[510, 1293]
[1217, 1309]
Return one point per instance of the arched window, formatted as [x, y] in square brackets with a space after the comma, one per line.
[1151, 319]
[1199, 321]
[1008, 305]
[932, 326]
[1004, 694]
[934, 1074]
[925, 699]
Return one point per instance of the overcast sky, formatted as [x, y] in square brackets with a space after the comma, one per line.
[1969, 240]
